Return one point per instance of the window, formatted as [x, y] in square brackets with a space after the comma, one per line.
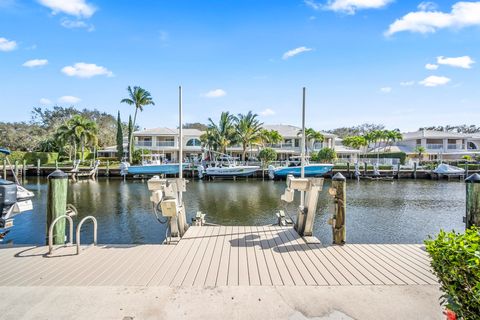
[194, 143]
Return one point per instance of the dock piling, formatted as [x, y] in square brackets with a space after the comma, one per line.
[4, 176]
[24, 169]
[415, 170]
[57, 204]
[473, 201]
[16, 168]
[107, 170]
[38, 167]
[339, 186]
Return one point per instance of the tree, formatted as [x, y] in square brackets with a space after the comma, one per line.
[65, 135]
[311, 136]
[267, 155]
[85, 131]
[247, 129]
[139, 98]
[119, 138]
[130, 138]
[326, 155]
[356, 142]
[419, 151]
[269, 137]
[221, 135]
[393, 136]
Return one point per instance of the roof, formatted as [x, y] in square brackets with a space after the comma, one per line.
[289, 131]
[162, 131]
[433, 134]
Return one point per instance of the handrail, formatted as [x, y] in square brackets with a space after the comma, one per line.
[79, 226]
[50, 232]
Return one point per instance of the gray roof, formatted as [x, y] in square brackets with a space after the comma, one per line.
[289, 131]
[433, 134]
[168, 132]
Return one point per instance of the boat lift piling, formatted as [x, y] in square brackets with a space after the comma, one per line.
[472, 217]
[338, 191]
[57, 204]
[4, 176]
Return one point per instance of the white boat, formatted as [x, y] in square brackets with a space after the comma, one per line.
[227, 171]
[151, 165]
[293, 167]
[447, 169]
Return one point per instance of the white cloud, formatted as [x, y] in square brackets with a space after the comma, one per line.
[463, 14]
[86, 70]
[7, 45]
[294, 52]
[73, 24]
[434, 81]
[45, 101]
[407, 83]
[78, 8]
[351, 6]
[217, 93]
[427, 6]
[312, 4]
[464, 62]
[386, 89]
[431, 66]
[35, 63]
[69, 99]
[267, 112]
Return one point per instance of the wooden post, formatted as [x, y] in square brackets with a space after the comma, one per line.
[16, 168]
[4, 169]
[466, 169]
[365, 165]
[473, 201]
[398, 170]
[56, 164]
[38, 167]
[415, 170]
[339, 184]
[24, 169]
[57, 204]
[348, 170]
[107, 170]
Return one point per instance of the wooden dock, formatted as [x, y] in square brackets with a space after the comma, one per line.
[220, 256]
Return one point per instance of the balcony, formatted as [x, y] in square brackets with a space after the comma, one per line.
[165, 144]
[143, 144]
[434, 146]
[453, 146]
[285, 146]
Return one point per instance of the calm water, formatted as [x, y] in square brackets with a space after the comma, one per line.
[378, 212]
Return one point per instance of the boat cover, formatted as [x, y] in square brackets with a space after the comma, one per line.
[448, 169]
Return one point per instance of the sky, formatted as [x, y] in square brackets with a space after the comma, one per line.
[405, 64]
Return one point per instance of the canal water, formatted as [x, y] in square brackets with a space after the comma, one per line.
[404, 211]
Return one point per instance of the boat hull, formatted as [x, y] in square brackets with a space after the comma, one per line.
[231, 172]
[311, 170]
[155, 169]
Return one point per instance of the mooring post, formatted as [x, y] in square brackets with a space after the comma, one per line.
[107, 170]
[348, 170]
[414, 170]
[365, 168]
[4, 169]
[16, 168]
[339, 184]
[56, 164]
[24, 169]
[57, 204]
[38, 166]
[473, 201]
[398, 170]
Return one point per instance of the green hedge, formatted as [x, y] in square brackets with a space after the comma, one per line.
[393, 155]
[45, 157]
[456, 262]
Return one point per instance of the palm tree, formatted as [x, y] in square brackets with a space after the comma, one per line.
[419, 150]
[247, 129]
[78, 131]
[66, 135]
[311, 136]
[393, 136]
[221, 135]
[139, 98]
[269, 137]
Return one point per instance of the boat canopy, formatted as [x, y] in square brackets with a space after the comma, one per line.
[5, 151]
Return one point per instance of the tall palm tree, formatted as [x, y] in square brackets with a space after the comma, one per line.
[65, 135]
[269, 137]
[139, 98]
[78, 131]
[247, 129]
[393, 136]
[222, 135]
[311, 136]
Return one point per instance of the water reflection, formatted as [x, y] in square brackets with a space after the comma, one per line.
[377, 212]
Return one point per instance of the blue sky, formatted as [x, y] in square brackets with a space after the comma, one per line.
[361, 60]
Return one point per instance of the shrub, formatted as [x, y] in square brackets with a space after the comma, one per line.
[392, 155]
[15, 156]
[456, 262]
[325, 155]
[45, 157]
[110, 159]
[137, 155]
[267, 155]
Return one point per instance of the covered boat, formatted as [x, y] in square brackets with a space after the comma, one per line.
[447, 169]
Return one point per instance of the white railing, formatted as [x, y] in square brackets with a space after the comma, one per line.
[453, 146]
[165, 144]
[143, 144]
[434, 146]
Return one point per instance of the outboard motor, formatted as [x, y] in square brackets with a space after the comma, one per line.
[8, 198]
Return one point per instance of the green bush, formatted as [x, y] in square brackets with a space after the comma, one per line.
[456, 262]
[267, 155]
[325, 155]
[392, 155]
[45, 157]
[110, 159]
[137, 155]
[15, 156]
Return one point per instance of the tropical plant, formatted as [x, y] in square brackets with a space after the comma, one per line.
[269, 137]
[326, 155]
[119, 138]
[221, 135]
[137, 155]
[139, 98]
[456, 262]
[393, 136]
[419, 152]
[78, 131]
[356, 142]
[267, 155]
[311, 136]
[247, 130]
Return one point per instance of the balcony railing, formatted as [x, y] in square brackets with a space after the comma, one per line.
[453, 146]
[143, 144]
[288, 146]
[434, 146]
[165, 144]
